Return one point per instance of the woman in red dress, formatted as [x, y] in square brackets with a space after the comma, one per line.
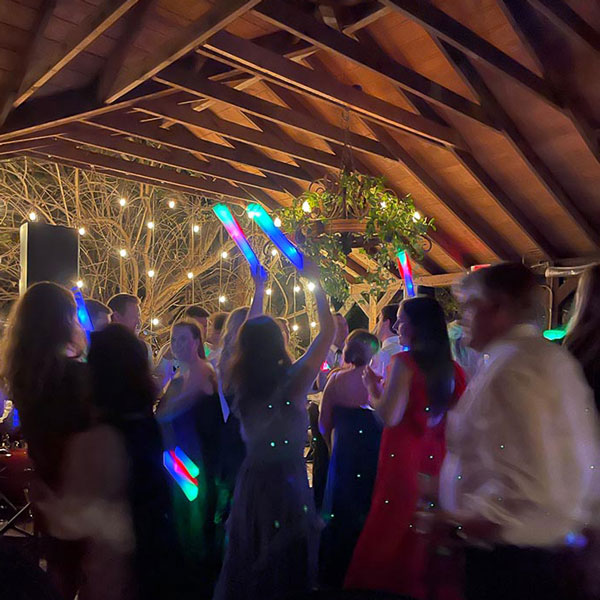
[421, 385]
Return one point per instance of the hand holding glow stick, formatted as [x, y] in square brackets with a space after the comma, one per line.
[264, 221]
[406, 270]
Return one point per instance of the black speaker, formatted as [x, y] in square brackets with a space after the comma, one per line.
[48, 253]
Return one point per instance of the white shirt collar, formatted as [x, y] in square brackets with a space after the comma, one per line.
[390, 342]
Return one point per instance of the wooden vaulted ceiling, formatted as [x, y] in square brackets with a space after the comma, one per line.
[486, 111]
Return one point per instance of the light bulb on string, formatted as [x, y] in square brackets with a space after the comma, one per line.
[123, 253]
[150, 224]
[79, 283]
[416, 216]
[274, 252]
[190, 275]
[222, 299]
[268, 291]
[196, 228]
[306, 206]
[122, 202]
[171, 203]
[295, 327]
[224, 254]
[32, 216]
[82, 231]
[151, 273]
[277, 222]
[383, 204]
[313, 324]
[296, 289]
[155, 321]
[311, 286]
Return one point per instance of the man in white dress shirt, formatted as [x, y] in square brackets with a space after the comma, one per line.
[522, 448]
[385, 332]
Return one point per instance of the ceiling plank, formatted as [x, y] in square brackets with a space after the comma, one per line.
[520, 144]
[23, 145]
[103, 139]
[124, 167]
[220, 15]
[442, 25]
[17, 78]
[103, 17]
[362, 15]
[207, 120]
[189, 82]
[326, 38]
[286, 72]
[568, 21]
[181, 138]
[527, 25]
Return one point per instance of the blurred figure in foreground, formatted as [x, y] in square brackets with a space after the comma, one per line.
[522, 449]
[100, 314]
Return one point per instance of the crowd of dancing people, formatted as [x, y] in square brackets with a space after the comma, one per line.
[449, 460]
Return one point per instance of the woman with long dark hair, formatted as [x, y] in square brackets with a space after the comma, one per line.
[79, 495]
[583, 335]
[348, 417]
[421, 386]
[124, 395]
[273, 528]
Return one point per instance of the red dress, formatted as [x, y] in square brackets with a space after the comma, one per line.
[390, 555]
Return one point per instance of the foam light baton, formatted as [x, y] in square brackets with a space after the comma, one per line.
[406, 270]
[83, 316]
[237, 235]
[264, 221]
[180, 467]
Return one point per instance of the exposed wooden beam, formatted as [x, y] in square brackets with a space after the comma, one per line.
[134, 23]
[520, 144]
[103, 17]
[103, 139]
[18, 76]
[526, 23]
[218, 16]
[568, 21]
[41, 114]
[275, 68]
[186, 81]
[442, 25]
[362, 15]
[325, 38]
[207, 120]
[21, 146]
[181, 138]
[65, 150]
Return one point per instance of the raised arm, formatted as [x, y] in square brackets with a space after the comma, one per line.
[307, 367]
[257, 307]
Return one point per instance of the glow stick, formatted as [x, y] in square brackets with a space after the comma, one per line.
[175, 468]
[237, 235]
[406, 270]
[555, 334]
[325, 367]
[83, 315]
[188, 463]
[264, 221]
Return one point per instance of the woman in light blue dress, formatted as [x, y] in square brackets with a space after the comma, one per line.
[273, 528]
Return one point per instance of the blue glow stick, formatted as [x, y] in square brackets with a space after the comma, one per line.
[264, 221]
[188, 463]
[188, 485]
[83, 315]
[406, 270]
[237, 235]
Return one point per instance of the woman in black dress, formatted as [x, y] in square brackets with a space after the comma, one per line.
[351, 428]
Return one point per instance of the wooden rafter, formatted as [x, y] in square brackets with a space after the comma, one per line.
[439, 24]
[568, 21]
[519, 143]
[106, 15]
[179, 137]
[290, 74]
[478, 172]
[524, 22]
[68, 151]
[221, 14]
[175, 158]
[354, 18]
[326, 38]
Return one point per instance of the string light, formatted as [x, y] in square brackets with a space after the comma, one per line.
[268, 291]
[82, 231]
[416, 216]
[155, 321]
[79, 284]
[196, 228]
[222, 299]
[224, 254]
[122, 202]
[277, 222]
[32, 216]
[383, 205]
[190, 275]
[295, 327]
[306, 206]
[296, 289]
[313, 324]
[151, 273]
[150, 224]
[311, 286]
[274, 252]
[171, 203]
[122, 253]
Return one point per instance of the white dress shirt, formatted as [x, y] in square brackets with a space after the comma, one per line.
[522, 443]
[389, 347]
